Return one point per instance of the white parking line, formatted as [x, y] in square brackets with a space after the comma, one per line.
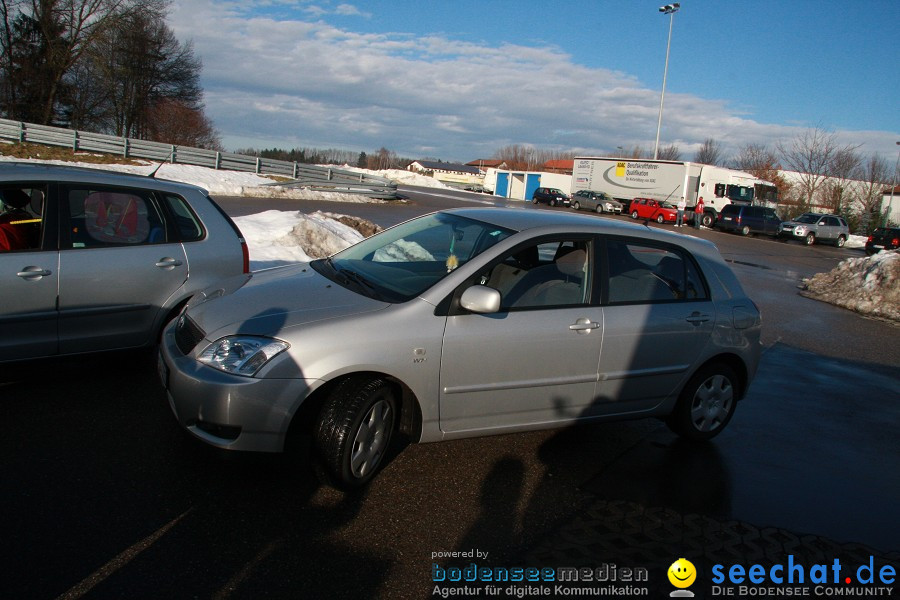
[460, 198]
[119, 561]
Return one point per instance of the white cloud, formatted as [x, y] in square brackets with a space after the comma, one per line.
[296, 82]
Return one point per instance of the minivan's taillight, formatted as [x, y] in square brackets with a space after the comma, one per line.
[245, 251]
[895, 242]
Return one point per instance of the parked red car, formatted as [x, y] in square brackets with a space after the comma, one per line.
[659, 211]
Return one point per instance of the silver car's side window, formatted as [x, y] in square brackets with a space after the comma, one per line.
[187, 224]
[101, 218]
[549, 274]
[21, 217]
[642, 273]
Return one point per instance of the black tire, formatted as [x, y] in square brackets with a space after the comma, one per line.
[534, 200]
[634, 214]
[353, 433]
[810, 239]
[576, 205]
[599, 209]
[707, 220]
[660, 219]
[840, 241]
[706, 403]
[745, 230]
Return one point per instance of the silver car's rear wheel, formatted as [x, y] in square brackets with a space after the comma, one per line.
[354, 431]
[706, 404]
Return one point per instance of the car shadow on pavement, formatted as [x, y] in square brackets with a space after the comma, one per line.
[806, 468]
[106, 496]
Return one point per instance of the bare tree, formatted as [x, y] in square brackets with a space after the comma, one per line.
[710, 153]
[670, 152]
[637, 152]
[383, 159]
[811, 154]
[756, 159]
[843, 169]
[875, 176]
[140, 64]
[69, 28]
[518, 156]
[174, 122]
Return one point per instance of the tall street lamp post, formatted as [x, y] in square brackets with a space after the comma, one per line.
[668, 9]
[887, 214]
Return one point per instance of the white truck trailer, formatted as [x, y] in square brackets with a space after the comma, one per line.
[667, 180]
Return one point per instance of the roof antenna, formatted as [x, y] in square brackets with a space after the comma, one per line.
[158, 167]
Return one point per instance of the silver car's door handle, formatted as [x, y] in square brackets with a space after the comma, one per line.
[168, 263]
[697, 318]
[584, 325]
[33, 273]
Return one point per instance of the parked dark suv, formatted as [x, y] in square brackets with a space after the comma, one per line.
[883, 238]
[551, 196]
[748, 219]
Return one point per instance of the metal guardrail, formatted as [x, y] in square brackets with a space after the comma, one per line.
[304, 175]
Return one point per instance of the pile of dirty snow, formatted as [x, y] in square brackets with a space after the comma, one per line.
[868, 285]
[277, 237]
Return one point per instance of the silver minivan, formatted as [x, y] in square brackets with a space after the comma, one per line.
[102, 260]
[464, 323]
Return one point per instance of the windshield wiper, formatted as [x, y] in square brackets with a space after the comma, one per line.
[349, 276]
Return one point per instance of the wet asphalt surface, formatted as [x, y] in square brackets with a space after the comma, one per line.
[105, 498]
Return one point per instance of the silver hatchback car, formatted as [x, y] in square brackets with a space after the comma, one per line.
[95, 260]
[464, 323]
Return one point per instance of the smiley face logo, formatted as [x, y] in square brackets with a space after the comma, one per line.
[682, 573]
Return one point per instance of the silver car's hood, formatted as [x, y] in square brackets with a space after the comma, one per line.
[267, 302]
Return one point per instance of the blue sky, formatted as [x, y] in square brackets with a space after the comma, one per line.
[458, 79]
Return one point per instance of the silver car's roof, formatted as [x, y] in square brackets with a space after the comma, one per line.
[527, 218]
[17, 171]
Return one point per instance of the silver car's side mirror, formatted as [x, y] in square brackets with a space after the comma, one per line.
[480, 299]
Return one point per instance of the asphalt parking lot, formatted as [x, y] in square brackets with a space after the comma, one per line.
[105, 497]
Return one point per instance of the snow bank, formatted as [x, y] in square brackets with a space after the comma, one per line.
[239, 183]
[404, 177]
[868, 285]
[277, 237]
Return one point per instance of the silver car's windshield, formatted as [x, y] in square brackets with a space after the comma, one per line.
[404, 261]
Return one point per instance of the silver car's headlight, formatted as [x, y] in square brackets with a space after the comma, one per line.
[242, 354]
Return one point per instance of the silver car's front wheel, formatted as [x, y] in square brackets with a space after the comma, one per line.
[706, 404]
[354, 430]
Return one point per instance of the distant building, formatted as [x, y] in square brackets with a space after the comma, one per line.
[562, 166]
[488, 163]
[450, 173]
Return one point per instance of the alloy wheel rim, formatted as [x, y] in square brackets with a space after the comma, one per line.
[371, 439]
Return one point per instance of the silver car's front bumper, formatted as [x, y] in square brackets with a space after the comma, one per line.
[228, 411]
